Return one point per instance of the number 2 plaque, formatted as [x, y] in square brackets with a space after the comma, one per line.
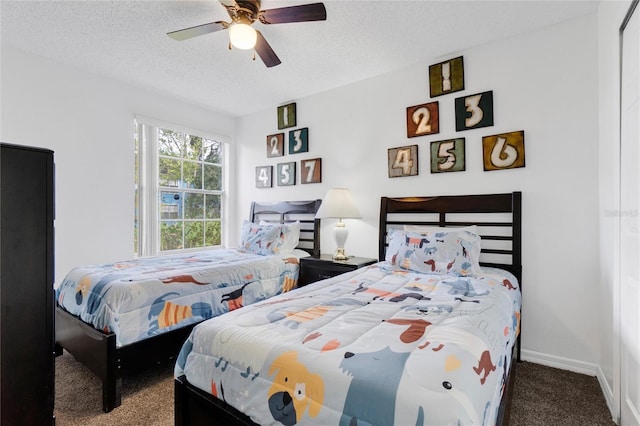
[422, 120]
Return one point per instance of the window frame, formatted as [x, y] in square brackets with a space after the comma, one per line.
[147, 187]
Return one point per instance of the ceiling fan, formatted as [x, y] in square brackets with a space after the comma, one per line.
[243, 14]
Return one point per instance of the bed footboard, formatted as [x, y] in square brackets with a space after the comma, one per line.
[504, 411]
[192, 406]
[195, 407]
[95, 350]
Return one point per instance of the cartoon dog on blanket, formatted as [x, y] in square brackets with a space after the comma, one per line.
[452, 399]
[365, 402]
[295, 389]
[452, 354]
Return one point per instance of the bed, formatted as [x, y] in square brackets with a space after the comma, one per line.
[128, 315]
[428, 335]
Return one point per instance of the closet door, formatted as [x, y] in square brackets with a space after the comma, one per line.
[26, 286]
[630, 221]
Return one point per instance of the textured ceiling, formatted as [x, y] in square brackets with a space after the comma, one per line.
[127, 41]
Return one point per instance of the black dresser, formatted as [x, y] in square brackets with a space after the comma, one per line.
[27, 364]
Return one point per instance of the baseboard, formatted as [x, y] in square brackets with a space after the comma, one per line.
[608, 394]
[559, 362]
[575, 366]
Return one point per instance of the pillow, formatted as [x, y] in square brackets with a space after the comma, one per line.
[451, 251]
[291, 234]
[261, 239]
[427, 229]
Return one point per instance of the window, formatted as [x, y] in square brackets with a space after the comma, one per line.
[179, 189]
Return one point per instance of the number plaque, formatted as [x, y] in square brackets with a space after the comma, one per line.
[447, 156]
[403, 161]
[311, 170]
[299, 141]
[263, 176]
[422, 120]
[286, 174]
[503, 151]
[287, 116]
[446, 77]
[474, 111]
[275, 145]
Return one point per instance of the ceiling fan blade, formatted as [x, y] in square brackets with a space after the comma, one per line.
[303, 13]
[198, 30]
[228, 3]
[265, 52]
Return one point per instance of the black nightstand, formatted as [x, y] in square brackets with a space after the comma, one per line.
[314, 268]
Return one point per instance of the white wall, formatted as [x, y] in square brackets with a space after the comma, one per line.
[610, 16]
[88, 121]
[537, 87]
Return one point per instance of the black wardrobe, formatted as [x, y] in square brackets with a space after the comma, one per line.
[27, 363]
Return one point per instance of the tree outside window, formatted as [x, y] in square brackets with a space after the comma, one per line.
[189, 188]
[190, 216]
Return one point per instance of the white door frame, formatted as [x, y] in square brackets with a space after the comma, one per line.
[629, 235]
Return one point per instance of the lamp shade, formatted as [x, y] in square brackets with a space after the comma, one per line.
[338, 203]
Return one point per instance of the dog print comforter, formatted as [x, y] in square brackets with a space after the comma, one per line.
[140, 298]
[376, 346]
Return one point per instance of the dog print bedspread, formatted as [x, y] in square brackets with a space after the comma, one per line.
[376, 346]
[140, 298]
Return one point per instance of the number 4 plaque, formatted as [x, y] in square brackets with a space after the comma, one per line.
[264, 176]
[403, 161]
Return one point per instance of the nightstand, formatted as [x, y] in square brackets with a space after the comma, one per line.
[315, 268]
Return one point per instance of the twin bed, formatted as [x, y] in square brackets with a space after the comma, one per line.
[428, 335]
[128, 315]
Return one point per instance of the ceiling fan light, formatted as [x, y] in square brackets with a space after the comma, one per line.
[242, 36]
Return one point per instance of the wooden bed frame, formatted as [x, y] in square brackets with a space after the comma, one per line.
[499, 221]
[97, 350]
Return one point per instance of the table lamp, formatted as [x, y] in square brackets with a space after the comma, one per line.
[338, 204]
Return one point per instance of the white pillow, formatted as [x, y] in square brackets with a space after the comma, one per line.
[297, 253]
[290, 232]
[261, 239]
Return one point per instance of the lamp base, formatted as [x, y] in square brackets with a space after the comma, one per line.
[340, 233]
[340, 255]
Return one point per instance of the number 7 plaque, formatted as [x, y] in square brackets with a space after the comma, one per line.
[311, 170]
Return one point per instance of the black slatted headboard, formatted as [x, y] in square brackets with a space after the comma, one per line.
[497, 216]
[291, 211]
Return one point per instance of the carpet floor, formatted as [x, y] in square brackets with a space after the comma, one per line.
[543, 396]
